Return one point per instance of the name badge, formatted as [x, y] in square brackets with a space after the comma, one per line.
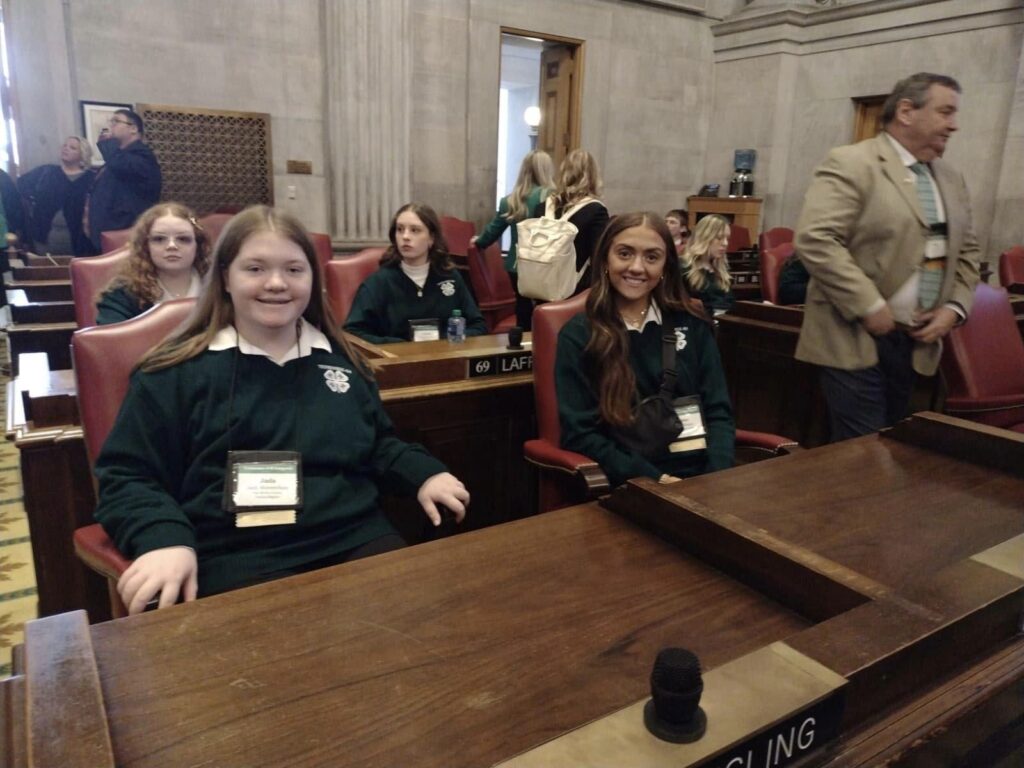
[428, 329]
[263, 487]
[693, 435]
[935, 247]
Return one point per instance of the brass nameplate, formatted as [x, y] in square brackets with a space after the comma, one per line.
[301, 167]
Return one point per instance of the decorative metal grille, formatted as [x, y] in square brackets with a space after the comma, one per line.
[211, 158]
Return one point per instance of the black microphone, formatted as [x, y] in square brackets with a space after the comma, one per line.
[515, 337]
[673, 713]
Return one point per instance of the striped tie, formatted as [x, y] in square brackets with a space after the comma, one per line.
[933, 271]
[925, 192]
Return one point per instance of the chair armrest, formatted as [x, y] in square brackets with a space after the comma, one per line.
[484, 306]
[779, 446]
[97, 551]
[980, 404]
[549, 456]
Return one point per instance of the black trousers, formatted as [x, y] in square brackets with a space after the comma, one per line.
[869, 399]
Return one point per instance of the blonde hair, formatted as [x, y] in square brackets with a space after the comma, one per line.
[138, 274]
[536, 170]
[578, 178]
[85, 149]
[214, 309]
[695, 258]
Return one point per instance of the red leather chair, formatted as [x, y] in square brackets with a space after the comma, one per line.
[213, 224]
[1011, 269]
[89, 276]
[493, 288]
[112, 239]
[344, 275]
[772, 262]
[566, 477]
[457, 233]
[983, 363]
[324, 249]
[774, 237]
[103, 358]
[739, 238]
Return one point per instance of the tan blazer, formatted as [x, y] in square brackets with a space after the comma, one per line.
[861, 235]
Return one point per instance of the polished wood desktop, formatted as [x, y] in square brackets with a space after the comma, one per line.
[893, 564]
[475, 424]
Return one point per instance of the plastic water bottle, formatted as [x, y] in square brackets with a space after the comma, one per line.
[456, 327]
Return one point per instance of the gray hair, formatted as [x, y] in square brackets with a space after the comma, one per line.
[915, 90]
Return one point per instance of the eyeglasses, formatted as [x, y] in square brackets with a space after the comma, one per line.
[115, 121]
[162, 241]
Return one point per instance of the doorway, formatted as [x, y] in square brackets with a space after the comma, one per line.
[538, 102]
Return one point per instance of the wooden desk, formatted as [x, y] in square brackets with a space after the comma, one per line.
[52, 338]
[476, 426]
[42, 290]
[496, 645]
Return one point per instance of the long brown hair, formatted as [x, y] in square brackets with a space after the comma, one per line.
[138, 274]
[606, 355]
[214, 309]
[437, 256]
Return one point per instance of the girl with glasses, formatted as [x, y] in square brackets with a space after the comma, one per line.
[168, 254]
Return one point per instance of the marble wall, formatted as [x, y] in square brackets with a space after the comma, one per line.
[786, 89]
[403, 104]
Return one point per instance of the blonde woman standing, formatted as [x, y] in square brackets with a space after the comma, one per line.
[579, 185]
[705, 267]
[535, 181]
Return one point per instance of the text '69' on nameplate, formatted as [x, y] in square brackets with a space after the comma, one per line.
[500, 365]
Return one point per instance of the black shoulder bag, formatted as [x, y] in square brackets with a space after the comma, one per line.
[656, 424]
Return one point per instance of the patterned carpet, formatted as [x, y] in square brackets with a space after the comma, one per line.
[18, 601]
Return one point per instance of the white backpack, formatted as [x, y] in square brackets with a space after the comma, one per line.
[545, 255]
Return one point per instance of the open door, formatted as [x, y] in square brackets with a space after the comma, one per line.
[560, 92]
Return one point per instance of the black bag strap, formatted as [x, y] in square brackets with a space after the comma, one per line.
[668, 365]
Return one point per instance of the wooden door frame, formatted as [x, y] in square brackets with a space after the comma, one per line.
[576, 101]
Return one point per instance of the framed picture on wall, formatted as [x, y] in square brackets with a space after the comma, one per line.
[95, 118]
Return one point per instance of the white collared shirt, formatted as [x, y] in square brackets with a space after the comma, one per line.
[418, 274]
[309, 338]
[911, 178]
[195, 285]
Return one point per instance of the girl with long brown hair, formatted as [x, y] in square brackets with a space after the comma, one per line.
[609, 358]
[416, 281]
[259, 367]
[168, 255]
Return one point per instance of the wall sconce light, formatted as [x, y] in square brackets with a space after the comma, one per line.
[532, 118]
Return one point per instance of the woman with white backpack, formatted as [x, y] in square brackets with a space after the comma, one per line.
[574, 201]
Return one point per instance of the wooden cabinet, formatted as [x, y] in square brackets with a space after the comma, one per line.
[743, 211]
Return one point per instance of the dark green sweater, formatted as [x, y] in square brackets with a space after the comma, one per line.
[161, 471]
[117, 305]
[387, 300]
[498, 224]
[699, 373]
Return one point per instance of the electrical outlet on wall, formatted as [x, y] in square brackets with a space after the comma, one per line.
[291, 192]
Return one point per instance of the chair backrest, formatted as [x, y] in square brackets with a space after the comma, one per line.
[490, 281]
[772, 262]
[548, 320]
[985, 356]
[213, 223]
[1011, 268]
[322, 246]
[344, 275]
[774, 237]
[739, 238]
[112, 239]
[457, 233]
[89, 276]
[104, 357]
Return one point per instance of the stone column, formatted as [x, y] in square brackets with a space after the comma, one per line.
[1007, 222]
[368, 65]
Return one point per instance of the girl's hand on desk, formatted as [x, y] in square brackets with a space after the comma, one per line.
[165, 572]
[445, 489]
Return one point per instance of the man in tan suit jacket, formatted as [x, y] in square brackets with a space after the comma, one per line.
[887, 238]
